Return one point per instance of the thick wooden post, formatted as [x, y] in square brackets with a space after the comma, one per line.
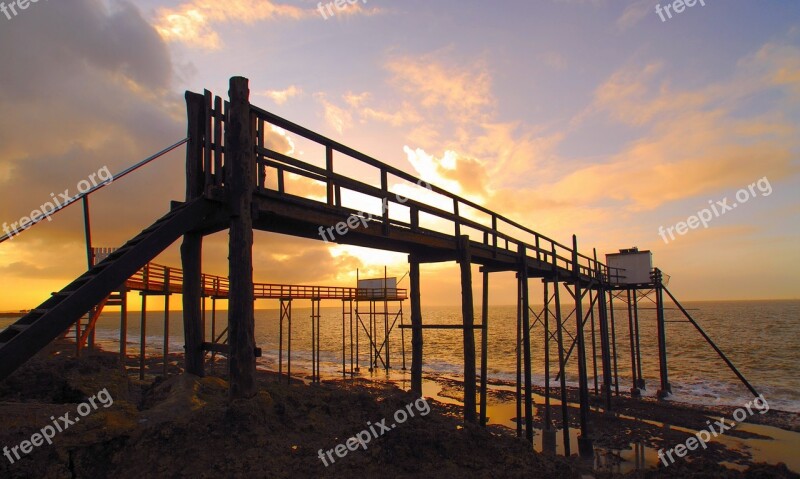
[484, 344]
[526, 340]
[666, 389]
[605, 348]
[584, 441]
[416, 327]
[192, 247]
[562, 362]
[468, 315]
[240, 172]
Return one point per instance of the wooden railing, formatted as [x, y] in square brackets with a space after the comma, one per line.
[156, 278]
[500, 232]
[496, 232]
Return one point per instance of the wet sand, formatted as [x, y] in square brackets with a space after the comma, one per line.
[184, 426]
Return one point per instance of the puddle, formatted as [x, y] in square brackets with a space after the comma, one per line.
[782, 447]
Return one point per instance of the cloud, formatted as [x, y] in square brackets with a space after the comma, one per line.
[694, 141]
[454, 172]
[462, 91]
[84, 87]
[194, 22]
[288, 263]
[282, 96]
[337, 117]
[634, 13]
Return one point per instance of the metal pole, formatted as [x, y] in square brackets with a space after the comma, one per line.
[708, 339]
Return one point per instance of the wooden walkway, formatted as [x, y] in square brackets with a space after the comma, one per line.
[159, 279]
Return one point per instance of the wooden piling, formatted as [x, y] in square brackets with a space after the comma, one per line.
[465, 260]
[562, 363]
[192, 246]
[632, 333]
[416, 326]
[584, 441]
[613, 341]
[665, 389]
[548, 422]
[526, 342]
[123, 329]
[240, 174]
[484, 345]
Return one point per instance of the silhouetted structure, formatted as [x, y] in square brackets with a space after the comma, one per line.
[235, 181]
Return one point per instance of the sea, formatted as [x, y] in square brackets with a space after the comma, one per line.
[761, 338]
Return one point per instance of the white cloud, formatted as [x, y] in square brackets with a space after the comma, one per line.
[282, 96]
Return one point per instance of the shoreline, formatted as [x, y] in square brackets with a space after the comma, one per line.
[636, 428]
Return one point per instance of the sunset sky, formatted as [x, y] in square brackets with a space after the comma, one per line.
[587, 117]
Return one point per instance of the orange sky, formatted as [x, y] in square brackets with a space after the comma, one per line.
[585, 117]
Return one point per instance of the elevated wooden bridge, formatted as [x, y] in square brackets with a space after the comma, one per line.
[158, 279]
[236, 181]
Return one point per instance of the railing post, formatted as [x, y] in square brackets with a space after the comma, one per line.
[385, 201]
[329, 170]
[458, 219]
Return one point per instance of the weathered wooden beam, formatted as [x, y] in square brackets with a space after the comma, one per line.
[584, 440]
[191, 261]
[484, 344]
[526, 342]
[195, 112]
[192, 247]
[240, 166]
[465, 262]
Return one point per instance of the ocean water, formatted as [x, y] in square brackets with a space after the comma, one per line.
[762, 338]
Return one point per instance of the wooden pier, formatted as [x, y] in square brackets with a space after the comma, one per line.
[236, 182]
